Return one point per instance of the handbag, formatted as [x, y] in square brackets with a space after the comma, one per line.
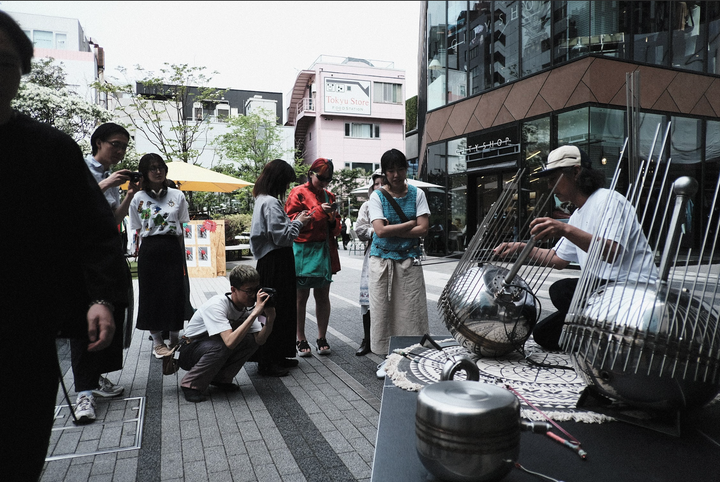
[312, 259]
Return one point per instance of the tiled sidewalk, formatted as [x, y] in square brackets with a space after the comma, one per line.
[317, 424]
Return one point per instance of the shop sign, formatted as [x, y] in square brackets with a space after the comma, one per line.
[491, 144]
[347, 96]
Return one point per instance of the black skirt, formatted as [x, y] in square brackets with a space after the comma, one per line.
[277, 270]
[161, 283]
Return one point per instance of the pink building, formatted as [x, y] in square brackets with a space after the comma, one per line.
[348, 110]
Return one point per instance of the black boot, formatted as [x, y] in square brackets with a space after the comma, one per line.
[365, 344]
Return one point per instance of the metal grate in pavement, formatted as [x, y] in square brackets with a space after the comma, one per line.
[117, 428]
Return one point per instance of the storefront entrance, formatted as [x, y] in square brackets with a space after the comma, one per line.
[484, 189]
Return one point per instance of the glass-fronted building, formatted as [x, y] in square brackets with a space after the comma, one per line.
[502, 83]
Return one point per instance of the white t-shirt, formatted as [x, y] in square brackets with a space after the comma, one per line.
[616, 218]
[219, 314]
[375, 207]
[162, 216]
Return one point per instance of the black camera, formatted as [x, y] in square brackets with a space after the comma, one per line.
[271, 292]
[135, 177]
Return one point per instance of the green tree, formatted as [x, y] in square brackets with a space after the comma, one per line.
[344, 182]
[240, 201]
[158, 110]
[44, 96]
[252, 141]
[411, 113]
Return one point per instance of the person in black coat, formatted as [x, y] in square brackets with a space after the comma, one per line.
[62, 264]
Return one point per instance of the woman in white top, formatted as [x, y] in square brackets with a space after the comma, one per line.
[271, 241]
[398, 300]
[157, 213]
[364, 231]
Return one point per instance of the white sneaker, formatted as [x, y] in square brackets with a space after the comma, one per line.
[107, 389]
[380, 371]
[161, 351]
[85, 409]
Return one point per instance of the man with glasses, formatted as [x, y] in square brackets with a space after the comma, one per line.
[224, 333]
[109, 143]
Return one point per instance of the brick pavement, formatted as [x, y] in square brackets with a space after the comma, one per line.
[318, 423]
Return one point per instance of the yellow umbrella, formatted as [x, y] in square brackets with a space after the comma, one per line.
[189, 177]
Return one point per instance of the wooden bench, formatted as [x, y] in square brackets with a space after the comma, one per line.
[235, 247]
[238, 247]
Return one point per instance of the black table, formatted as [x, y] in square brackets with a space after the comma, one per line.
[617, 451]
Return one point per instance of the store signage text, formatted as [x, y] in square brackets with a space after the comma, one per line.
[492, 144]
[347, 96]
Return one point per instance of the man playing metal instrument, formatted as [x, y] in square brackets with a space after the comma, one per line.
[625, 257]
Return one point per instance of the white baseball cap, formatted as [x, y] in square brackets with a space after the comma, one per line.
[565, 156]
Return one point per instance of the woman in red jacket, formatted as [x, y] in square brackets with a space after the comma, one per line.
[315, 249]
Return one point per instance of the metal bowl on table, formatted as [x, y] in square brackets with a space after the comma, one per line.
[467, 431]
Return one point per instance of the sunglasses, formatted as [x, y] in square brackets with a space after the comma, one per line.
[323, 178]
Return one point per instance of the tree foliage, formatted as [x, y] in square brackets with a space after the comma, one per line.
[44, 96]
[252, 141]
[158, 107]
[411, 113]
[344, 182]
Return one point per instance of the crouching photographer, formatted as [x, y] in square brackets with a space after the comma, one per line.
[223, 333]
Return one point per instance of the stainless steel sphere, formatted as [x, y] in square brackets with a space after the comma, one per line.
[647, 345]
[485, 316]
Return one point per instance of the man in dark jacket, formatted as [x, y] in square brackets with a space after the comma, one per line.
[62, 264]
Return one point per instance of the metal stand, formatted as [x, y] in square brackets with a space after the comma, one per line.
[663, 422]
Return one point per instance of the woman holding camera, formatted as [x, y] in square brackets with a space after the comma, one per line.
[316, 256]
[271, 239]
[157, 213]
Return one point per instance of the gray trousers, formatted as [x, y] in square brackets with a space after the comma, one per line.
[210, 360]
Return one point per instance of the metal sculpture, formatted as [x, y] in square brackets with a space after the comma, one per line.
[488, 305]
[653, 345]
[650, 344]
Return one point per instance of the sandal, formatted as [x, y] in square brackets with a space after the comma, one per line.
[303, 348]
[323, 347]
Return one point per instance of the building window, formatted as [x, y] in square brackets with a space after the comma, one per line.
[456, 53]
[223, 112]
[60, 41]
[43, 39]
[362, 131]
[387, 93]
[436, 53]
[365, 166]
[197, 111]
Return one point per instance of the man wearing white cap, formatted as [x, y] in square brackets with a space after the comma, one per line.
[569, 170]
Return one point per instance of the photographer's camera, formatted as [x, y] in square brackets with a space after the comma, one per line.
[271, 292]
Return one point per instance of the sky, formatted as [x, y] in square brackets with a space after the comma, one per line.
[252, 45]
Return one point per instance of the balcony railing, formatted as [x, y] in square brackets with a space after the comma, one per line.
[306, 104]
